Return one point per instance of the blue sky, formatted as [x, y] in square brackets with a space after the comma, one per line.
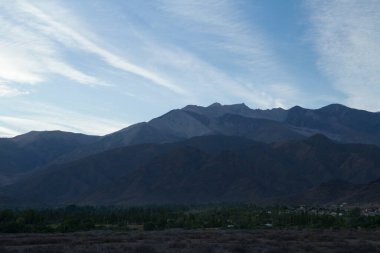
[98, 66]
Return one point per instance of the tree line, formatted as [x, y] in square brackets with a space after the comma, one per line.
[239, 216]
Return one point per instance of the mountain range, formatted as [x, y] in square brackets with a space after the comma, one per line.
[219, 153]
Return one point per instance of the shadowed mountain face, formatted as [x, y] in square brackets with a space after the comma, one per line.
[30, 151]
[216, 110]
[199, 170]
[338, 191]
[160, 161]
[335, 121]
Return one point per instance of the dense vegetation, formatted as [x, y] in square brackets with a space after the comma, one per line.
[73, 218]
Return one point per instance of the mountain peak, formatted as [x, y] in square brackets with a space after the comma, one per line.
[56, 135]
[334, 108]
[216, 104]
[242, 105]
[296, 108]
[37, 134]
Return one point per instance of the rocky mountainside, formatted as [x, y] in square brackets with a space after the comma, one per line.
[199, 170]
[199, 154]
[338, 191]
[335, 121]
[25, 153]
[338, 122]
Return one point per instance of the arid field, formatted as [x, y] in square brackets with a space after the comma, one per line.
[220, 241]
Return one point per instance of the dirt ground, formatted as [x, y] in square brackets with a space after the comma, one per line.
[200, 241]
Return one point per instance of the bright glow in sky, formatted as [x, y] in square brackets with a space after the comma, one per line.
[98, 66]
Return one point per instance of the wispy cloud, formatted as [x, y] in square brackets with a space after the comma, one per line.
[227, 42]
[177, 51]
[7, 132]
[229, 38]
[6, 91]
[211, 82]
[229, 31]
[347, 38]
[70, 37]
[29, 57]
[33, 44]
[41, 117]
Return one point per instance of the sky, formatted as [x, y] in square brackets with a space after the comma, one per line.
[95, 66]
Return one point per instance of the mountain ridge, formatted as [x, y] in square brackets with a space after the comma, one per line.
[204, 169]
[307, 147]
[276, 124]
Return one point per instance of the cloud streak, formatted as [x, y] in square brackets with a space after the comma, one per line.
[162, 54]
[6, 91]
[28, 57]
[71, 37]
[230, 43]
[33, 44]
[7, 132]
[346, 36]
[221, 20]
[41, 117]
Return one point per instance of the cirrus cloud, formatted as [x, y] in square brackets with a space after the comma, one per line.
[346, 36]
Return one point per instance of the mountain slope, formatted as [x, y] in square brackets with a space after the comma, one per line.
[335, 121]
[199, 170]
[34, 150]
[30, 151]
[338, 191]
[184, 123]
[216, 110]
[338, 122]
[77, 180]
